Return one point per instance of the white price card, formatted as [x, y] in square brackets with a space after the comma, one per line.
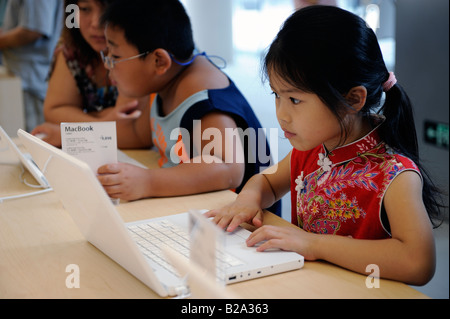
[92, 142]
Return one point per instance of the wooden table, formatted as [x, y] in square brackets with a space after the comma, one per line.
[38, 240]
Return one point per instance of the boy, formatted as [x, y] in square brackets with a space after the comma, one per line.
[195, 114]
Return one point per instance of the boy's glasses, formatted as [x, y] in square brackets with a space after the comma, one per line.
[110, 62]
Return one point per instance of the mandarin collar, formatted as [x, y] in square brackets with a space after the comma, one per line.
[352, 150]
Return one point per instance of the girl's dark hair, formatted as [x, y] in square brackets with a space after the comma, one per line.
[153, 24]
[327, 51]
[72, 38]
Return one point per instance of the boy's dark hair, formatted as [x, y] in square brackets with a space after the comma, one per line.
[327, 51]
[72, 38]
[153, 24]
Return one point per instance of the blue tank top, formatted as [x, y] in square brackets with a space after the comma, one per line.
[167, 130]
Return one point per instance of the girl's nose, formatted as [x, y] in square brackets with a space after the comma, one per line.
[282, 113]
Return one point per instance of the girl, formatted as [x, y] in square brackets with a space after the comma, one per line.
[79, 86]
[353, 172]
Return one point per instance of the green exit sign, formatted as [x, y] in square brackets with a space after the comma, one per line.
[436, 133]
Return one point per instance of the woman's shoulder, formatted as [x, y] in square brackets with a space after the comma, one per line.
[62, 50]
[60, 58]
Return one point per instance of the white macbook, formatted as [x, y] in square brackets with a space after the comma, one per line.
[7, 144]
[134, 245]
[202, 285]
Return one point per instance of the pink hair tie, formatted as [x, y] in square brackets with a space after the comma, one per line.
[390, 82]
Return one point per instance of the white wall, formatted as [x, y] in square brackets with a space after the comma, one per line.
[212, 26]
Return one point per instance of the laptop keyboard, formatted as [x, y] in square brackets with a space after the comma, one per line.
[151, 237]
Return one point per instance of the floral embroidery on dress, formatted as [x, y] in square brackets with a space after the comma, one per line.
[324, 226]
[367, 144]
[325, 198]
[342, 208]
[319, 201]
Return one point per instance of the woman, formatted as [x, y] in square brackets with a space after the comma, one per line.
[79, 86]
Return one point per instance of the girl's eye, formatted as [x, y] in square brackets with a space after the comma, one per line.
[294, 101]
[276, 95]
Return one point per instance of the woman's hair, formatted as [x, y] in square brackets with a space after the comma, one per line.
[73, 39]
[327, 51]
[154, 24]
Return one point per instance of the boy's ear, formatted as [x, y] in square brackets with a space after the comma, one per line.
[162, 61]
[356, 97]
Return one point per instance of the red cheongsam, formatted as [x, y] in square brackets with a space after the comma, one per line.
[342, 192]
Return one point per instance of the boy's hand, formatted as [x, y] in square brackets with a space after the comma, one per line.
[124, 181]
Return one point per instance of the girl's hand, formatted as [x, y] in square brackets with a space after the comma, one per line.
[124, 181]
[234, 214]
[285, 238]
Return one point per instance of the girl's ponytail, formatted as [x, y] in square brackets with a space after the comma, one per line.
[399, 132]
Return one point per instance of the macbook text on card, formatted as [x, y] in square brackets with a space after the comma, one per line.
[25, 158]
[134, 245]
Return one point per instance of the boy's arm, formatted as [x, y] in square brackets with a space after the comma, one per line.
[219, 165]
[134, 132]
[207, 172]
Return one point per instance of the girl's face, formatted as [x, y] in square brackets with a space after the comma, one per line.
[90, 28]
[306, 121]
